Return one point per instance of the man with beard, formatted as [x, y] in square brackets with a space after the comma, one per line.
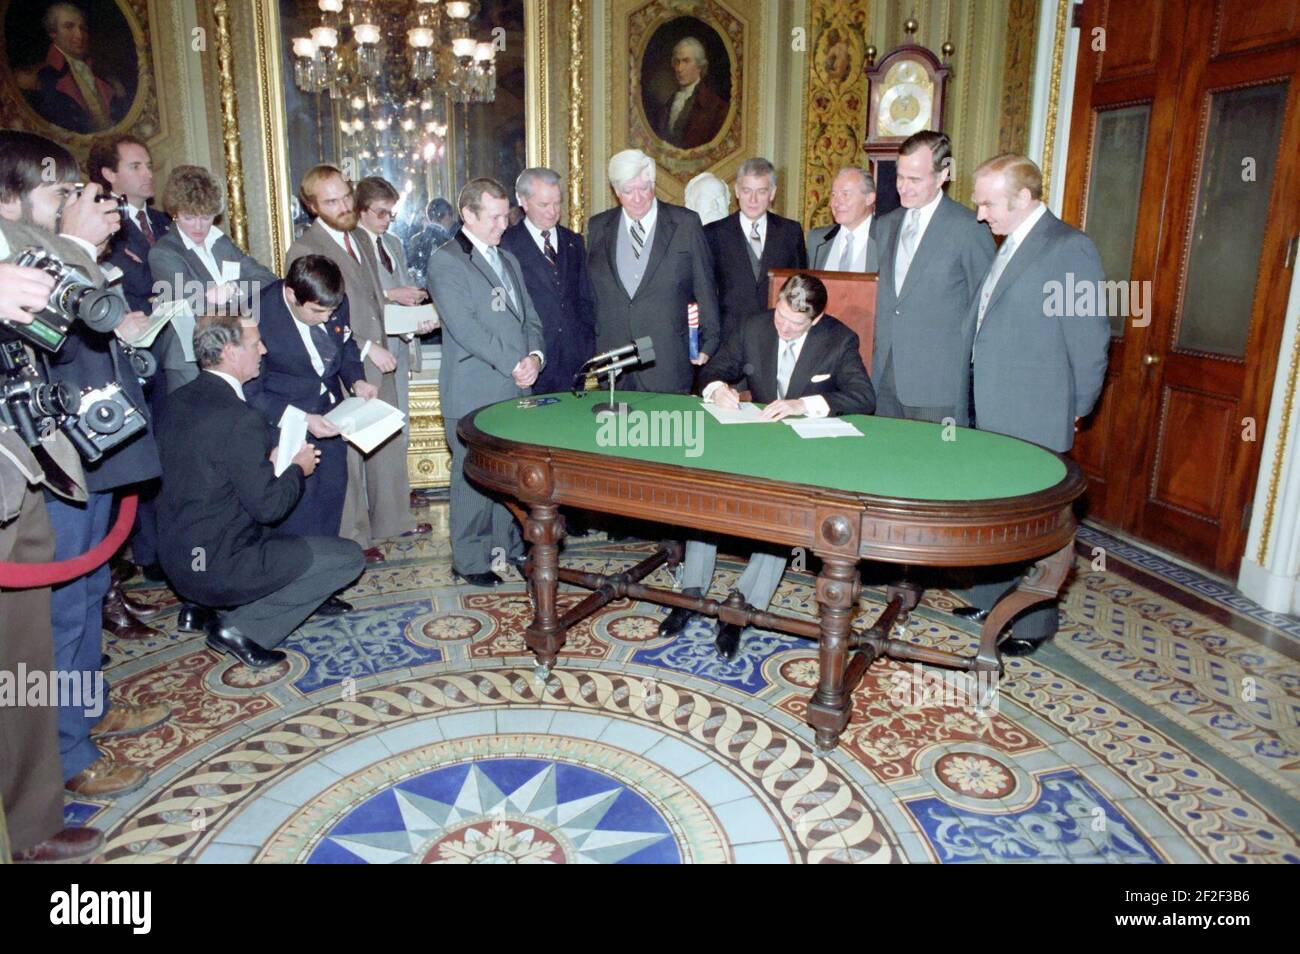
[378, 502]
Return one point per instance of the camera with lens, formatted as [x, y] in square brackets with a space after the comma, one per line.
[105, 418]
[73, 298]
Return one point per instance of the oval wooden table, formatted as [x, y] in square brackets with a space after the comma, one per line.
[906, 492]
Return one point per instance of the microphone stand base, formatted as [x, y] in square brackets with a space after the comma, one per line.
[605, 407]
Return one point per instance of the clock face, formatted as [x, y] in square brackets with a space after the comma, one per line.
[904, 109]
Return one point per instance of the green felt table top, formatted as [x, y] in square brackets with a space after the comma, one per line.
[895, 458]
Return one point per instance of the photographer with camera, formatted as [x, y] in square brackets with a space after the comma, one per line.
[40, 206]
[31, 786]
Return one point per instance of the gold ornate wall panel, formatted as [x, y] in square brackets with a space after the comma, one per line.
[428, 459]
[978, 105]
[1018, 75]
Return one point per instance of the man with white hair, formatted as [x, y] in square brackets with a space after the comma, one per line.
[694, 113]
[648, 261]
[554, 264]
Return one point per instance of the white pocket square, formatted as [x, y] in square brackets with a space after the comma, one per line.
[817, 378]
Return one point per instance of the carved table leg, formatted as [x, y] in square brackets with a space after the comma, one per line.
[1042, 581]
[909, 595]
[544, 529]
[837, 595]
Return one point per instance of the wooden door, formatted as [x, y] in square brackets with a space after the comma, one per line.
[1184, 162]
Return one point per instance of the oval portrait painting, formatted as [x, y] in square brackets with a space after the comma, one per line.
[686, 82]
[73, 62]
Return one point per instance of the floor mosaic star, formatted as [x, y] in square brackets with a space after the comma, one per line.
[1162, 725]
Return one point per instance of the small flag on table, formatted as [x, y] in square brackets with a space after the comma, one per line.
[693, 324]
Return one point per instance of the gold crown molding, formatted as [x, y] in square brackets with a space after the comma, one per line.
[1054, 91]
[237, 219]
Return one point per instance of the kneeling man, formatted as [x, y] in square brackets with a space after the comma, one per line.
[220, 498]
[797, 360]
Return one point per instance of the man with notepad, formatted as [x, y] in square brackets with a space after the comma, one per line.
[312, 364]
[798, 361]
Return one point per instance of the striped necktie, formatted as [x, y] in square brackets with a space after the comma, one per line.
[638, 238]
[549, 249]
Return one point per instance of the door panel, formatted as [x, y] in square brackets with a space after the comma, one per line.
[1242, 25]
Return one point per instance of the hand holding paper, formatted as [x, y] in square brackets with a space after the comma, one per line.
[366, 424]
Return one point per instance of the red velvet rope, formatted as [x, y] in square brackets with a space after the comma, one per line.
[25, 576]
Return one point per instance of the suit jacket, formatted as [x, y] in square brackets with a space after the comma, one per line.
[480, 344]
[924, 328]
[128, 250]
[59, 99]
[400, 275]
[680, 271]
[365, 297]
[180, 273]
[740, 294]
[830, 354]
[563, 299]
[700, 119]
[288, 376]
[1034, 374]
[219, 494]
[821, 239]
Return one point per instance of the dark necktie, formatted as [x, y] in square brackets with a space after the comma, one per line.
[384, 258]
[325, 346]
[347, 244]
[143, 219]
[549, 249]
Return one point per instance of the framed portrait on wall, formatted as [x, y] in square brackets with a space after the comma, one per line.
[76, 70]
[683, 76]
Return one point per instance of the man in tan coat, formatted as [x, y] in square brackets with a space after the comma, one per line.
[378, 502]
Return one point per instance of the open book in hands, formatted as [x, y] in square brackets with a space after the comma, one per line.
[366, 424]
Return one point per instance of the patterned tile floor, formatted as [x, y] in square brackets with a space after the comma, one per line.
[1162, 725]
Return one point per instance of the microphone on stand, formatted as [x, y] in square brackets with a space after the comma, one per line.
[639, 352]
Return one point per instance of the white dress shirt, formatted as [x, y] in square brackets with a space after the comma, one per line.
[647, 223]
[536, 233]
[747, 226]
[814, 405]
[229, 379]
[204, 251]
[1024, 228]
[861, 238]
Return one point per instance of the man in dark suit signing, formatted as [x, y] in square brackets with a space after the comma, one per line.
[491, 351]
[311, 364]
[931, 266]
[757, 235]
[554, 263]
[798, 361]
[221, 498]
[648, 261]
[1035, 373]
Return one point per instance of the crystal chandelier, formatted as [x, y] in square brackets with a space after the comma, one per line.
[358, 44]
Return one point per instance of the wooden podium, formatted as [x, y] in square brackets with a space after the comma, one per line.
[851, 297]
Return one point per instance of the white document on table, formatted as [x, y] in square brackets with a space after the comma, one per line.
[405, 319]
[366, 424]
[293, 434]
[808, 427]
[747, 413]
[164, 312]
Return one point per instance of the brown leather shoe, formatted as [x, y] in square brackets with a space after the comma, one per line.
[374, 555]
[130, 720]
[119, 622]
[105, 779]
[67, 847]
[138, 608]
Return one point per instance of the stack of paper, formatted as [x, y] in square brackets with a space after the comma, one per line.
[405, 319]
[168, 311]
[823, 427]
[366, 424]
[747, 413]
[293, 434]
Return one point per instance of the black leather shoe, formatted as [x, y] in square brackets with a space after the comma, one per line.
[228, 639]
[1021, 647]
[972, 613]
[728, 641]
[192, 618]
[676, 622]
[153, 572]
[481, 579]
[334, 607]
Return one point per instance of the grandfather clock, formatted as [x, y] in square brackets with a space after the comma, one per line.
[904, 95]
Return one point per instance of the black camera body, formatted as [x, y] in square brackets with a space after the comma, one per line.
[106, 417]
[74, 297]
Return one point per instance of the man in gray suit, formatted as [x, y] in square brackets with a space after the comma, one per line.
[197, 262]
[648, 261]
[378, 502]
[931, 266]
[852, 244]
[376, 199]
[1035, 372]
[492, 351]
